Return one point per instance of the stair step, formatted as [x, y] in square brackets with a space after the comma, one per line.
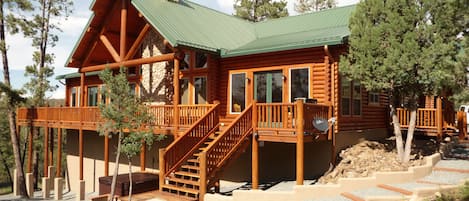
[184, 181]
[189, 192]
[190, 168]
[193, 161]
[186, 174]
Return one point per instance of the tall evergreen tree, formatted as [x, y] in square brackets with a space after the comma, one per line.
[9, 17]
[260, 10]
[307, 6]
[409, 48]
[41, 29]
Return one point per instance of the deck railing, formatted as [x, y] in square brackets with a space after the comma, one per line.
[163, 114]
[427, 118]
[183, 147]
[282, 116]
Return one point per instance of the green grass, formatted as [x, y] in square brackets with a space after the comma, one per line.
[5, 190]
[462, 194]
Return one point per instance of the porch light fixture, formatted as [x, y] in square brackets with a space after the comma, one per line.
[284, 77]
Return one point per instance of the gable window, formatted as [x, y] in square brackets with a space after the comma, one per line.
[133, 89]
[132, 71]
[299, 83]
[93, 96]
[200, 86]
[373, 98]
[350, 98]
[238, 92]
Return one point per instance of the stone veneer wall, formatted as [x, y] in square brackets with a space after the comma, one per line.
[156, 85]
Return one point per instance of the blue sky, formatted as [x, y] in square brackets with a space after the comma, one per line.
[20, 51]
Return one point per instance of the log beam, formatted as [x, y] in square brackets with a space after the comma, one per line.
[123, 34]
[59, 152]
[46, 151]
[134, 62]
[30, 149]
[110, 48]
[136, 44]
[300, 143]
[176, 96]
[80, 152]
[255, 149]
[142, 157]
[106, 155]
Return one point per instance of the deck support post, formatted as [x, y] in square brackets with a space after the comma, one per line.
[142, 156]
[59, 153]
[439, 117]
[30, 149]
[162, 168]
[106, 154]
[255, 149]
[80, 152]
[300, 142]
[51, 146]
[46, 151]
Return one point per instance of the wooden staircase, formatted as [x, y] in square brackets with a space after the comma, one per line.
[189, 170]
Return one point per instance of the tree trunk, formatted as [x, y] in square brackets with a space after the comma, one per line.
[410, 134]
[11, 109]
[130, 179]
[116, 167]
[397, 133]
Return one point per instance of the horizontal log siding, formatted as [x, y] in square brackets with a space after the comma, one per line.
[313, 56]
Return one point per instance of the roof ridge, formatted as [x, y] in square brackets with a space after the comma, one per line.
[304, 14]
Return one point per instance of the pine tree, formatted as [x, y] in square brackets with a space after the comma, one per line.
[124, 112]
[409, 49]
[10, 15]
[260, 10]
[307, 6]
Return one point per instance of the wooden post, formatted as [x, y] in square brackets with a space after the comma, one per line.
[255, 149]
[30, 149]
[59, 152]
[300, 142]
[176, 95]
[80, 152]
[439, 117]
[51, 147]
[46, 150]
[123, 34]
[142, 157]
[203, 176]
[106, 154]
[162, 168]
[82, 91]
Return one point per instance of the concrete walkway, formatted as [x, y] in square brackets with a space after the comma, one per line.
[449, 173]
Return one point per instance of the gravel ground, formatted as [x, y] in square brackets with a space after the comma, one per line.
[375, 191]
[444, 177]
[454, 164]
[335, 198]
[411, 186]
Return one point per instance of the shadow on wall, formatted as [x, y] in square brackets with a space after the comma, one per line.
[94, 148]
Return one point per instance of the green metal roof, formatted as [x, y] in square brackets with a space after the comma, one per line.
[75, 75]
[185, 23]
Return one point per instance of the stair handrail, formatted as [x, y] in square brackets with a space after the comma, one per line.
[183, 147]
[227, 142]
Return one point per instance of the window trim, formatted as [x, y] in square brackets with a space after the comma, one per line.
[351, 99]
[231, 91]
[371, 101]
[77, 96]
[290, 79]
[88, 95]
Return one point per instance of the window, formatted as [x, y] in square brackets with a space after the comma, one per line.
[357, 99]
[75, 97]
[200, 86]
[184, 91]
[133, 89]
[93, 96]
[102, 92]
[184, 64]
[238, 92]
[299, 83]
[351, 97]
[200, 60]
[373, 98]
[132, 71]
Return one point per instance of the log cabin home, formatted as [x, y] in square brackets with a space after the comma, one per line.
[236, 99]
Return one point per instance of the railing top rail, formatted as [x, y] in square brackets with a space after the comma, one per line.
[276, 104]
